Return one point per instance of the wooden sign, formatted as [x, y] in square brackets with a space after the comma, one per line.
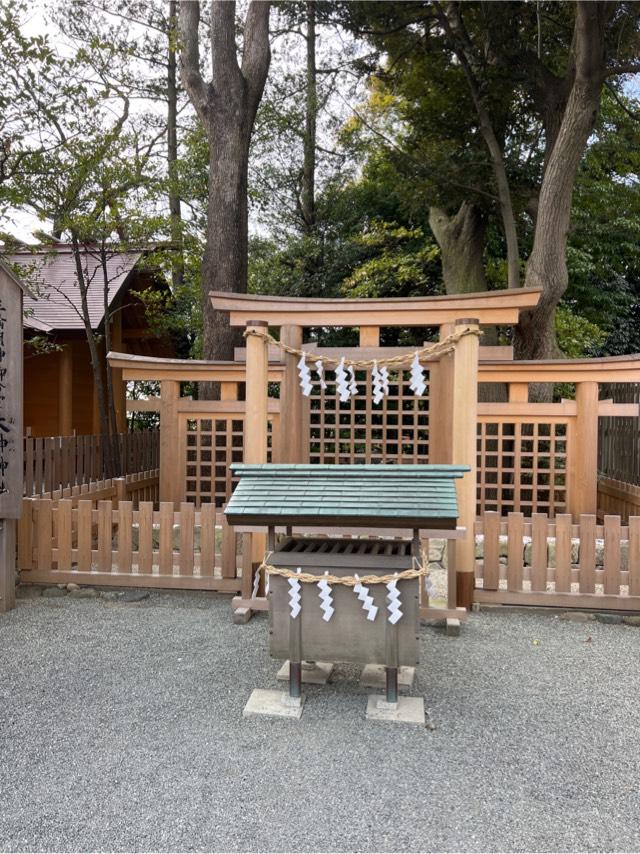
[11, 429]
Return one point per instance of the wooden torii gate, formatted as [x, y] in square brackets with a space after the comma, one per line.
[456, 379]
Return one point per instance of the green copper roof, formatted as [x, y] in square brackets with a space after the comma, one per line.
[368, 495]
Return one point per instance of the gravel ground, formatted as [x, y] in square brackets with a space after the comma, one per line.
[121, 730]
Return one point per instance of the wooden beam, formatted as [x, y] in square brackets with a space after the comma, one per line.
[184, 370]
[152, 404]
[65, 391]
[518, 393]
[8, 532]
[369, 336]
[119, 387]
[228, 391]
[494, 307]
[607, 369]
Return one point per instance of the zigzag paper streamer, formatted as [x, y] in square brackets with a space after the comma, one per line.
[320, 371]
[256, 583]
[353, 386]
[384, 378]
[305, 376]
[326, 599]
[393, 603]
[294, 596]
[367, 601]
[376, 380]
[341, 382]
[417, 384]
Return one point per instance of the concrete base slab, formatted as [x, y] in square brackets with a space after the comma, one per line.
[274, 703]
[313, 672]
[374, 676]
[408, 710]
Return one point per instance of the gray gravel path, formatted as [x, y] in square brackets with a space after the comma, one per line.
[121, 730]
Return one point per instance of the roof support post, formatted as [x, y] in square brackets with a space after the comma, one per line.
[464, 450]
[583, 474]
[294, 409]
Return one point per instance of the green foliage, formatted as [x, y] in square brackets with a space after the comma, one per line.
[577, 337]
[403, 263]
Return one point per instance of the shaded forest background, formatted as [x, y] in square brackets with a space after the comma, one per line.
[392, 149]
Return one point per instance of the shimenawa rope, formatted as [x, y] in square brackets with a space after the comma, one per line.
[347, 580]
[440, 348]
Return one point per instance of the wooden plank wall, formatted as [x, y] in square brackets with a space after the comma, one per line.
[58, 462]
[554, 562]
[617, 496]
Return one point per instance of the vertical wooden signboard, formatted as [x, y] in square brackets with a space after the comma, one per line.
[11, 430]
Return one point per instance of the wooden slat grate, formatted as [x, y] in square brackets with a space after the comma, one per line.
[522, 466]
[212, 445]
[359, 431]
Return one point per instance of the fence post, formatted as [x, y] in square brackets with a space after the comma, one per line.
[583, 487]
[464, 441]
[120, 484]
[169, 450]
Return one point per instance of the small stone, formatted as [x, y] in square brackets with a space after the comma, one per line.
[28, 591]
[72, 586]
[54, 592]
[61, 586]
[577, 617]
[83, 593]
[110, 595]
[632, 620]
[134, 595]
[609, 619]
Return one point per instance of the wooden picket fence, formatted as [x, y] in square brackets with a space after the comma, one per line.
[554, 562]
[57, 462]
[88, 539]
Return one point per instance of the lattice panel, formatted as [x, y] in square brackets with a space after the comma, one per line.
[212, 444]
[522, 467]
[358, 431]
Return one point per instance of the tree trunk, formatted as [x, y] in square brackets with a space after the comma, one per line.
[175, 212]
[461, 239]
[547, 265]
[463, 48]
[308, 198]
[96, 362]
[227, 107]
[224, 266]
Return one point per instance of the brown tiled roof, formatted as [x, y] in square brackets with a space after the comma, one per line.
[51, 273]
